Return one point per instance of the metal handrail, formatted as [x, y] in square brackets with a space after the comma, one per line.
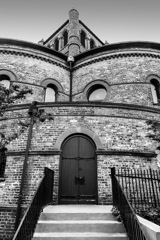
[127, 213]
[42, 197]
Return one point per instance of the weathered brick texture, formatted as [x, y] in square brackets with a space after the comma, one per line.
[118, 126]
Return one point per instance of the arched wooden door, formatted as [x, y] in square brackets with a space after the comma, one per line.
[78, 171]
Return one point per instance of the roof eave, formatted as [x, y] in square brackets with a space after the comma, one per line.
[24, 44]
[119, 46]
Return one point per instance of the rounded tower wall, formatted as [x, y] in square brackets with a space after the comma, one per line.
[120, 125]
[125, 73]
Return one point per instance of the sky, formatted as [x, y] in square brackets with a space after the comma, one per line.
[111, 20]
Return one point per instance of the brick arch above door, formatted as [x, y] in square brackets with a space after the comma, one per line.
[81, 130]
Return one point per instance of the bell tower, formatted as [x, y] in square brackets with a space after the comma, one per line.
[74, 38]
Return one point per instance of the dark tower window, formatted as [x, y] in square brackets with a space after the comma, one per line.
[155, 88]
[97, 93]
[83, 38]
[65, 36]
[92, 44]
[56, 44]
[5, 81]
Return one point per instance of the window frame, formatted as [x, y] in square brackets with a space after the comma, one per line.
[89, 89]
[56, 86]
[83, 38]
[11, 76]
[154, 88]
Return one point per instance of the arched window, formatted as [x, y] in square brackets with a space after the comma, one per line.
[53, 87]
[56, 44]
[97, 93]
[83, 38]
[51, 93]
[155, 88]
[97, 90]
[65, 36]
[4, 81]
[92, 44]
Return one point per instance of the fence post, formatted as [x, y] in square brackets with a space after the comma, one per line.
[49, 182]
[154, 196]
[113, 185]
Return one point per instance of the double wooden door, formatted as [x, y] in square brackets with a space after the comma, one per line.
[78, 171]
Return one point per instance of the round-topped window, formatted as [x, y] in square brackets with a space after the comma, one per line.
[97, 93]
[51, 93]
[4, 81]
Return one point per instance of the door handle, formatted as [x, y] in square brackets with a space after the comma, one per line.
[80, 180]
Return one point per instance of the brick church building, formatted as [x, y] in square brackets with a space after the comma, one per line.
[94, 107]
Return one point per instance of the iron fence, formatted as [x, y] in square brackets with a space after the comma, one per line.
[127, 213]
[2, 162]
[42, 197]
[142, 187]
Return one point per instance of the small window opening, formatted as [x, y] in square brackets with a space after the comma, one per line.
[65, 36]
[5, 81]
[51, 93]
[92, 44]
[97, 93]
[56, 44]
[155, 88]
[83, 38]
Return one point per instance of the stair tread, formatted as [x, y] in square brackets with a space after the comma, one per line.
[78, 209]
[79, 234]
[77, 216]
[78, 222]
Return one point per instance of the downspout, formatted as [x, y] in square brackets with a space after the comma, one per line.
[33, 110]
[70, 61]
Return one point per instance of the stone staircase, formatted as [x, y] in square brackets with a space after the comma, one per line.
[77, 222]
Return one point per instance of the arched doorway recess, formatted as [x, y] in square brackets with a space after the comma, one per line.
[78, 171]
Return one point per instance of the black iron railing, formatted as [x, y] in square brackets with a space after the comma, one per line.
[42, 197]
[142, 187]
[127, 213]
[2, 162]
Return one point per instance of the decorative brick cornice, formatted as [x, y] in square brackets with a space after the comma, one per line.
[98, 152]
[37, 56]
[127, 153]
[115, 55]
[34, 153]
[87, 105]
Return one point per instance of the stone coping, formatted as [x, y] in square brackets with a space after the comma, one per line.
[150, 229]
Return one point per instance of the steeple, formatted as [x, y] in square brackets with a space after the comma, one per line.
[74, 38]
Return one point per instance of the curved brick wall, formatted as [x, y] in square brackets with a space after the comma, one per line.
[119, 125]
[126, 75]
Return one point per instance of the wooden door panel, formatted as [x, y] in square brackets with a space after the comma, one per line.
[86, 148]
[78, 161]
[70, 149]
[87, 170]
[69, 170]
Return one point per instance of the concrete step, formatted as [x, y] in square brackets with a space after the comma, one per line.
[78, 222]
[78, 209]
[77, 216]
[80, 226]
[80, 236]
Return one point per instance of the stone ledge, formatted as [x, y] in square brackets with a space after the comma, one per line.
[98, 152]
[151, 230]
